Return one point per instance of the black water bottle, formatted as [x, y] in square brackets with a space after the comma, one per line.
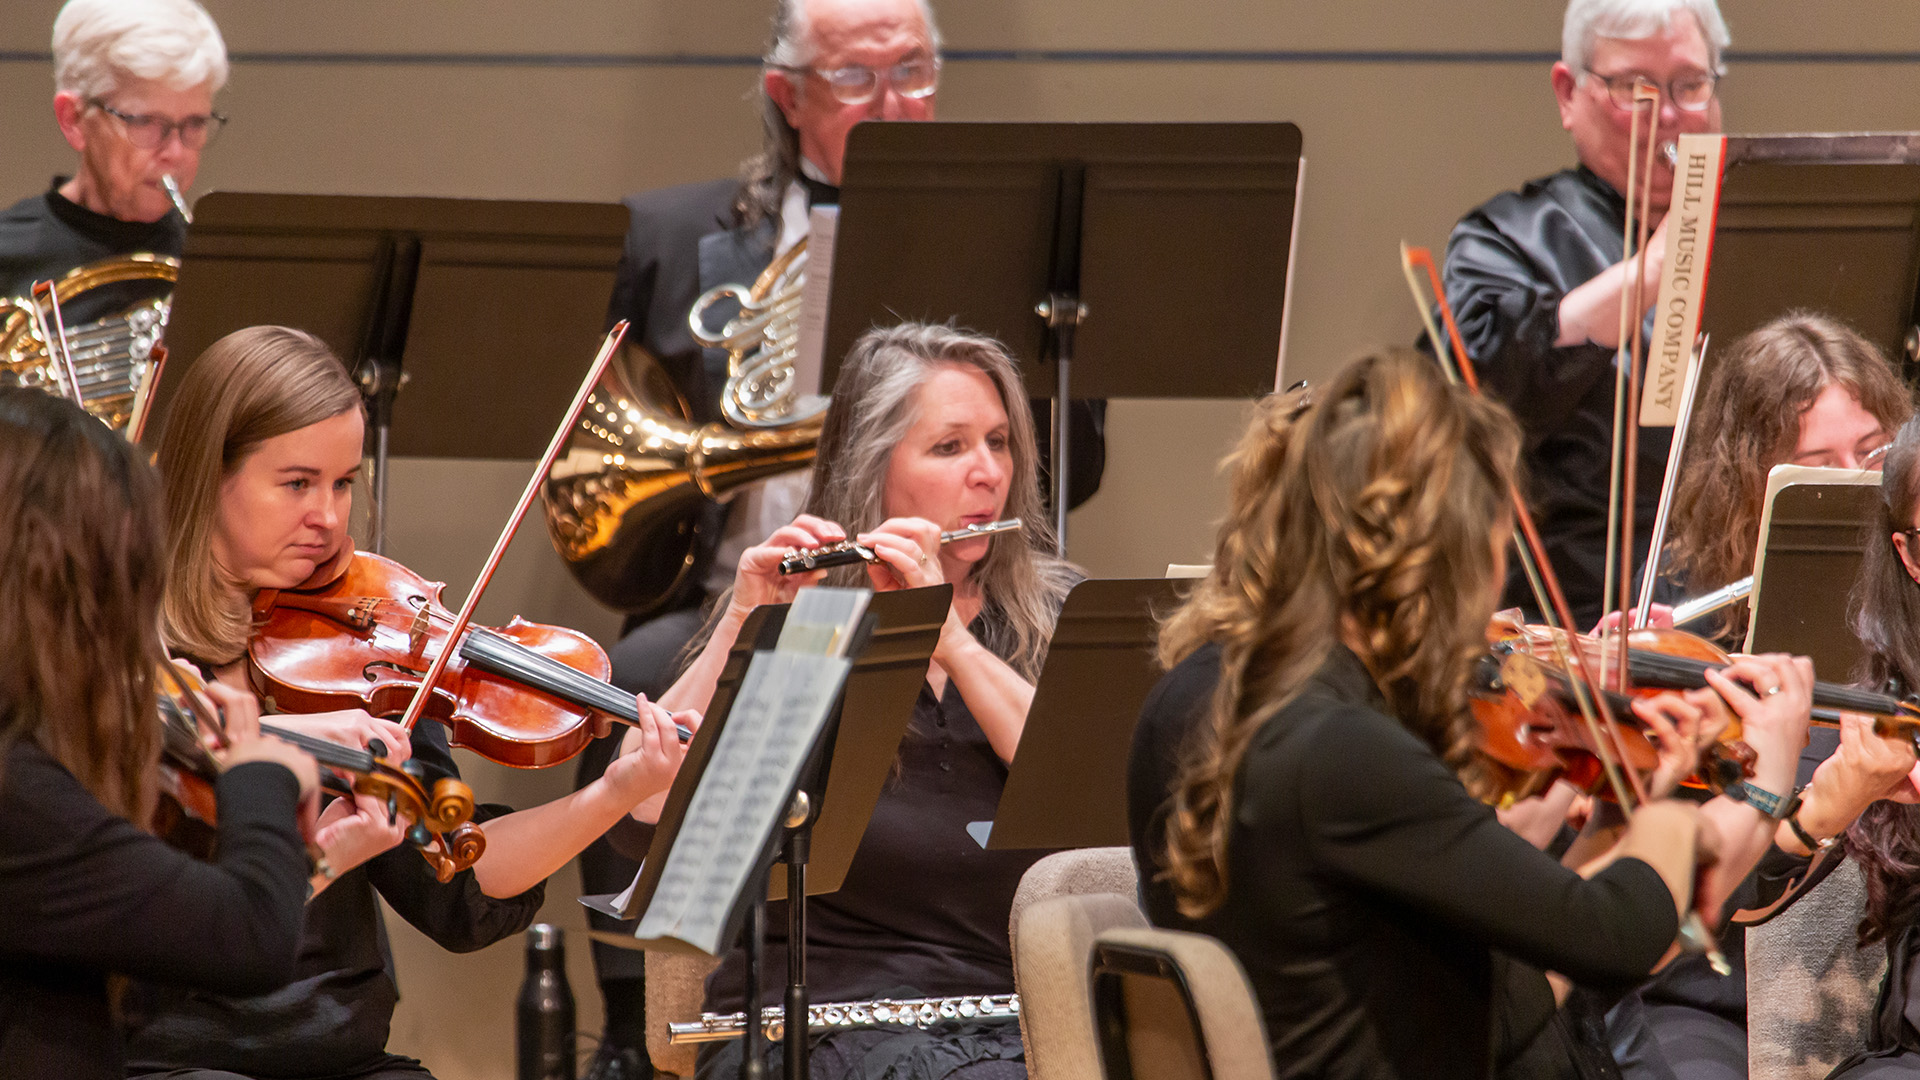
[545, 1031]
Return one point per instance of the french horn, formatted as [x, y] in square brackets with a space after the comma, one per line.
[111, 357]
[623, 502]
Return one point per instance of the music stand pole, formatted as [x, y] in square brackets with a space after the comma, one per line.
[753, 1058]
[799, 826]
[1063, 313]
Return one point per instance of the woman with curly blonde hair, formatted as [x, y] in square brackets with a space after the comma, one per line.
[1318, 824]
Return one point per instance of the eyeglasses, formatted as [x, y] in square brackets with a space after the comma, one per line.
[152, 132]
[1690, 92]
[1876, 458]
[858, 84]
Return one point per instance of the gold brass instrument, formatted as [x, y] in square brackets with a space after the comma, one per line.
[112, 357]
[623, 501]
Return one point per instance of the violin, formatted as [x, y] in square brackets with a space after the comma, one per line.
[188, 812]
[526, 695]
[1531, 723]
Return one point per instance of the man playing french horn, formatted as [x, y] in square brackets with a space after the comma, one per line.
[135, 82]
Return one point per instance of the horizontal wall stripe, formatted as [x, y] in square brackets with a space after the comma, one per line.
[1013, 56]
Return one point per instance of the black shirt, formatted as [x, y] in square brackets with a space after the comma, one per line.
[44, 236]
[1369, 890]
[84, 893]
[924, 906]
[334, 1016]
[1508, 266]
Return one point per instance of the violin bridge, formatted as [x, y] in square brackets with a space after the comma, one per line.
[1524, 677]
[417, 632]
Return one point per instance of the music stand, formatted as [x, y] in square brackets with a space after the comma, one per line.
[840, 783]
[1812, 536]
[1139, 260]
[485, 311]
[1067, 787]
[1843, 211]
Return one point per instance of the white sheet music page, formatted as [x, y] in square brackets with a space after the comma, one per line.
[811, 348]
[783, 703]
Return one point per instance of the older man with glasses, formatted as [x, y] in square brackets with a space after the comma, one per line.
[135, 82]
[1537, 275]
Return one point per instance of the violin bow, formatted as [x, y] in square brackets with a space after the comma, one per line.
[56, 338]
[1682, 422]
[1626, 378]
[424, 694]
[1457, 363]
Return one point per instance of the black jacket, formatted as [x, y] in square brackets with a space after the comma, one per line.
[1509, 263]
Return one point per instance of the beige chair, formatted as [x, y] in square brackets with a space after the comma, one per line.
[1810, 991]
[676, 987]
[1063, 901]
[1175, 1006]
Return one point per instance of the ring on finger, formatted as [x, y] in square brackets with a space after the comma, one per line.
[1772, 690]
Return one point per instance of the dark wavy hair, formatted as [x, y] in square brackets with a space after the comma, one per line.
[1885, 841]
[83, 544]
[1747, 421]
[1372, 516]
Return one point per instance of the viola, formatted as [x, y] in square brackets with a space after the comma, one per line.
[526, 695]
[188, 771]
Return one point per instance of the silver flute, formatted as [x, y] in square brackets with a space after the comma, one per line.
[847, 552]
[910, 1012]
[1701, 606]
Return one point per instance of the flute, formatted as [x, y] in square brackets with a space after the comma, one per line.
[847, 552]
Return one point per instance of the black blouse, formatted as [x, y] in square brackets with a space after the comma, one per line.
[1509, 264]
[1369, 891]
[334, 1016]
[84, 893]
[924, 906]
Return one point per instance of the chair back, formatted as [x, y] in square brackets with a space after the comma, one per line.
[1170, 1005]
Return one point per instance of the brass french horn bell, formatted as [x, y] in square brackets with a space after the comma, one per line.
[111, 356]
[623, 501]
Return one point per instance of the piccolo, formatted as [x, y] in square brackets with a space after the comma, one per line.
[910, 1012]
[847, 552]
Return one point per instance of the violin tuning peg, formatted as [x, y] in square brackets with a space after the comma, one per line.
[419, 837]
[414, 769]
[377, 747]
[393, 808]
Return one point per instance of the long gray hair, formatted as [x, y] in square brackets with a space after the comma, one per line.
[875, 401]
[764, 176]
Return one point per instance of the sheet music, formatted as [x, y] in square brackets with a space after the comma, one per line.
[783, 702]
[810, 350]
[822, 620]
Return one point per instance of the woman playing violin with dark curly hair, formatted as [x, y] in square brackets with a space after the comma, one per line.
[1321, 822]
[88, 896]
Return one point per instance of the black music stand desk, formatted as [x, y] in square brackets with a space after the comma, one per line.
[1118, 260]
[486, 311]
[1067, 786]
[1812, 534]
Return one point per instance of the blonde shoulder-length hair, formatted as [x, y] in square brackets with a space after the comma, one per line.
[875, 401]
[248, 387]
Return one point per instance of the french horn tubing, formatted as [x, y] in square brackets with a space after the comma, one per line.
[112, 356]
[623, 501]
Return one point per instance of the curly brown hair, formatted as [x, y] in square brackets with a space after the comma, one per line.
[1370, 517]
[1747, 421]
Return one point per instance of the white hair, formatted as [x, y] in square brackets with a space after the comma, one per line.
[792, 47]
[99, 43]
[1633, 20]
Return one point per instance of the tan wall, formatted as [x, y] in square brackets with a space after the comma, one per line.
[1395, 149]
